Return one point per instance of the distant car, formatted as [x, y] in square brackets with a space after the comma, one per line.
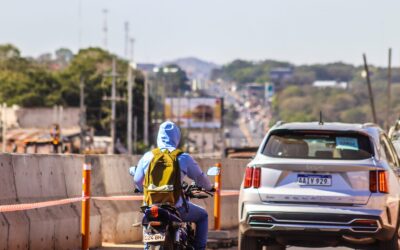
[319, 185]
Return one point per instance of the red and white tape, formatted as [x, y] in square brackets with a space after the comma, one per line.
[229, 192]
[29, 206]
[119, 198]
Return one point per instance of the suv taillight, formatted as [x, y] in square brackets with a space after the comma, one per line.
[383, 185]
[378, 181]
[252, 177]
[372, 181]
[256, 177]
[248, 177]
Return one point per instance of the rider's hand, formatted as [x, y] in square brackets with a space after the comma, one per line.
[213, 189]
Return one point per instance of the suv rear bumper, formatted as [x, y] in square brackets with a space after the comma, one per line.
[338, 224]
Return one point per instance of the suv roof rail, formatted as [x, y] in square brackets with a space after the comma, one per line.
[279, 123]
[369, 125]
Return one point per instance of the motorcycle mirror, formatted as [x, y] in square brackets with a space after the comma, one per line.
[213, 171]
[132, 170]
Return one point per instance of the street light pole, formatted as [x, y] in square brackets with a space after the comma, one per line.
[82, 120]
[113, 105]
[129, 125]
[371, 95]
[4, 127]
[131, 82]
[389, 84]
[146, 112]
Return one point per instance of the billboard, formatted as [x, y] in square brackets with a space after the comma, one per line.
[198, 112]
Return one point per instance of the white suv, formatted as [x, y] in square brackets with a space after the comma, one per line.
[318, 185]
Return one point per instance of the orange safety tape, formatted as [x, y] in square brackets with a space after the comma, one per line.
[29, 206]
[229, 192]
[119, 198]
[140, 197]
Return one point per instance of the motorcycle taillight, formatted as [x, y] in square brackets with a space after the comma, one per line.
[154, 211]
[155, 223]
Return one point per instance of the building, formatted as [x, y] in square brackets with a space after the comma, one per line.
[330, 84]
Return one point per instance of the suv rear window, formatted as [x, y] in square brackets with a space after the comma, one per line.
[318, 145]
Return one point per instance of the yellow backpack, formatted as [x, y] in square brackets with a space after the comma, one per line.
[162, 182]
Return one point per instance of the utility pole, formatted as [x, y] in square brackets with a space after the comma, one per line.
[79, 24]
[203, 140]
[113, 111]
[135, 134]
[126, 40]
[371, 96]
[55, 115]
[105, 29]
[82, 116]
[179, 107]
[129, 125]
[4, 126]
[223, 146]
[389, 88]
[60, 115]
[189, 122]
[146, 112]
[113, 100]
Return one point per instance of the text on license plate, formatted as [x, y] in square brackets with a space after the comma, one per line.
[158, 237]
[314, 180]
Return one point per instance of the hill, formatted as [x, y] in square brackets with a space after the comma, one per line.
[195, 67]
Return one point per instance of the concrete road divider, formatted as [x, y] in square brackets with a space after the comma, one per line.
[41, 179]
[110, 177]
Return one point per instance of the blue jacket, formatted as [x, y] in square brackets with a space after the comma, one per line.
[168, 139]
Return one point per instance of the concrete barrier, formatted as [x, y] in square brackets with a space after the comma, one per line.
[14, 226]
[110, 177]
[41, 178]
[72, 167]
[8, 195]
[35, 178]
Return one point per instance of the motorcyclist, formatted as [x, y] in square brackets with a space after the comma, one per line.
[168, 139]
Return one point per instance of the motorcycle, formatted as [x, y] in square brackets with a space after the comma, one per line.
[162, 226]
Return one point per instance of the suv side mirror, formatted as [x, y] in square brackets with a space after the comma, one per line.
[213, 171]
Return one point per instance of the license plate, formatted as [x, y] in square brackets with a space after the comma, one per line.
[314, 180]
[157, 237]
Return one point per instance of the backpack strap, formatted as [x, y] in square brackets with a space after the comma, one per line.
[156, 152]
[176, 152]
[156, 155]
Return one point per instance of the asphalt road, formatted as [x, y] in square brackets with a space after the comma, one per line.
[138, 245]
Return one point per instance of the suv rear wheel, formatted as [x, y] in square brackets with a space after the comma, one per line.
[393, 243]
[276, 247]
[249, 243]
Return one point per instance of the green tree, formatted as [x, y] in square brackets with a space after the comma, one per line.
[25, 83]
[93, 66]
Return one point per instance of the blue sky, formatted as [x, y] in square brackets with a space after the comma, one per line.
[299, 31]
